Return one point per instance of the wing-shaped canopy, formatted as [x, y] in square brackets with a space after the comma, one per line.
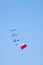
[23, 46]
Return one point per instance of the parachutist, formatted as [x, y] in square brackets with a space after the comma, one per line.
[18, 40]
[14, 41]
[13, 30]
[14, 35]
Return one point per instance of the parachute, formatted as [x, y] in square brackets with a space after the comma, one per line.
[23, 46]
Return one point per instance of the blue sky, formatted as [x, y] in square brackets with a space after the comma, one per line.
[27, 17]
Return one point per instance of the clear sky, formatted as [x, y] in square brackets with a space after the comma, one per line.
[27, 17]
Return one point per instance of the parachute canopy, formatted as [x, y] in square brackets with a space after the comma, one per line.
[23, 46]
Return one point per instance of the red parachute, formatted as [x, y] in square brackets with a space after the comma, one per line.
[23, 46]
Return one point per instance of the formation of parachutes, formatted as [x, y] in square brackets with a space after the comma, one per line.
[16, 39]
